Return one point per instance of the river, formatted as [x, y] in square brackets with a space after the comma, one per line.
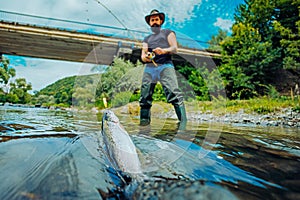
[54, 154]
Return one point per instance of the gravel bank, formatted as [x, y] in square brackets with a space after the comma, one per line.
[286, 118]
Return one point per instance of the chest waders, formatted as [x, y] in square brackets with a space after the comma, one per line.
[165, 74]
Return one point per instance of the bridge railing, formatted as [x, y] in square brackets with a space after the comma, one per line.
[64, 24]
[90, 28]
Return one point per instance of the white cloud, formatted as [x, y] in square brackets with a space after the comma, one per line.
[131, 13]
[224, 24]
[179, 12]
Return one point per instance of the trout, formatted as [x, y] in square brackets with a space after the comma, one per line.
[119, 146]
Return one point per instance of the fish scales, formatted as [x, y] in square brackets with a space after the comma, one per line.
[121, 150]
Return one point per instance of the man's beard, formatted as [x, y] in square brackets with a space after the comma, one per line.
[155, 28]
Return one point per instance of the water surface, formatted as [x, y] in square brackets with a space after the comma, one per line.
[53, 154]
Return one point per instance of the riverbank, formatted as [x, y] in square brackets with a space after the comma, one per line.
[256, 112]
[286, 116]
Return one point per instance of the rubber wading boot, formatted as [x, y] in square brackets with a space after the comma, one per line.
[181, 114]
[145, 116]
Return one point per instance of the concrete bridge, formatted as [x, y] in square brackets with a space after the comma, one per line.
[54, 43]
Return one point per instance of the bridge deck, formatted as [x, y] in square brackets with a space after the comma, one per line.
[50, 43]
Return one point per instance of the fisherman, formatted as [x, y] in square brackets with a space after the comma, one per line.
[156, 53]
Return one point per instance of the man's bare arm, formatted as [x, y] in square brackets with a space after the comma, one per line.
[173, 45]
[144, 56]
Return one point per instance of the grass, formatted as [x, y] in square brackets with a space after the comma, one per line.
[261, 105]
[219, 107]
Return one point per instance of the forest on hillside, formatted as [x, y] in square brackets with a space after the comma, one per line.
[259, 58]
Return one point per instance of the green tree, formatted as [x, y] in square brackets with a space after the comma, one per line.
[84, 96]
[205, 83]
[288, 26]
[237, 84]
[12, 98]
[61, 90]
[215, 42]
[2, 96]
[14, 91]
[6, 73]
[20, 89]
[45, 100]
[262, 42]
[246, 50]
[112, 76]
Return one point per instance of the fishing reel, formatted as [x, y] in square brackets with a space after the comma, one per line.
[151, 56]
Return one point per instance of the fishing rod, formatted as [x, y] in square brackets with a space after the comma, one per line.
[143, 32]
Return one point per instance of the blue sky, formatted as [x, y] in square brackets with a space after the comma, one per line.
[196, 20]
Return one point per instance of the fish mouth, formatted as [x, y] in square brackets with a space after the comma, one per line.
[105, 116]
[109, 116]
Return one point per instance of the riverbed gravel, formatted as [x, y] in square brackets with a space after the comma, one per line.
[285, 117]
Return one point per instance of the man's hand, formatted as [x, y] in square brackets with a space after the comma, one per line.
[146, 58]
[159, 51]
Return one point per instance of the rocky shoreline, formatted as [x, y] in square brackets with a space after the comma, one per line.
[285, 118]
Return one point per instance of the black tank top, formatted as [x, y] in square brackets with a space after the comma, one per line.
[159, 40]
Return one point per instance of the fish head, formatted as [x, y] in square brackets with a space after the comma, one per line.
[110, 116]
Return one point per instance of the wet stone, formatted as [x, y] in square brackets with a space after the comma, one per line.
[290, 123]
[181, 189]
[19, 126]
[273, 123]
[246, 120]
[3, 129]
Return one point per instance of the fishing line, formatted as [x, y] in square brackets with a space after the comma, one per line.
[116, 17]
[94, 50]
[106, 8]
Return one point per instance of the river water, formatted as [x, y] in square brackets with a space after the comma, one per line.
[53, 154]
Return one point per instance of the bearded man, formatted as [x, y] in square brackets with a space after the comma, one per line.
[156, 53]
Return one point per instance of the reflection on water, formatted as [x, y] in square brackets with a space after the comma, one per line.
[58, 155]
